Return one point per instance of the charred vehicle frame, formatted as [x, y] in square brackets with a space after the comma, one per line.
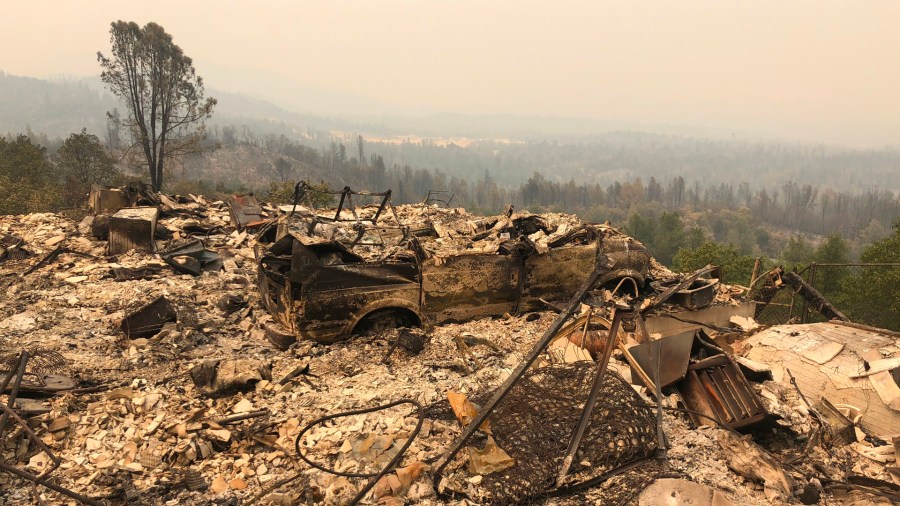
[317, 285]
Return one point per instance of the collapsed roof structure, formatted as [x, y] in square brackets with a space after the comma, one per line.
[598, 376]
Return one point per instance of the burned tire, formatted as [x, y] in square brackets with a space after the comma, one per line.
[383, 320]
[279, 337]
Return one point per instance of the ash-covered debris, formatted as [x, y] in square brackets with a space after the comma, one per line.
[199, 407]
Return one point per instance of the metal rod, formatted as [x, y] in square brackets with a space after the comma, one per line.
[516, 375]
[650, 384]
[52, 486]
[588, 410]
[242, 416]
[384, 202]
[587, 323]
[9, 376]
[753, 275]
[660, 435]
[29, 432]
[14, 393]
[656, 349]
[337, 214]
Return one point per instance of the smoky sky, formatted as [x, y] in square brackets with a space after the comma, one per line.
[822, 71]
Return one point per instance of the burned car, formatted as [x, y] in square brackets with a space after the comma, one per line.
[326, 277]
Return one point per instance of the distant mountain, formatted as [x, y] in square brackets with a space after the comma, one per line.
[56, 108]
[61, 106]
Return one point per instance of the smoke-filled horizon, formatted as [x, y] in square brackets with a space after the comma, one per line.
[818, 71]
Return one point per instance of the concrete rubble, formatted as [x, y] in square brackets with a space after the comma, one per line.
[194, 404]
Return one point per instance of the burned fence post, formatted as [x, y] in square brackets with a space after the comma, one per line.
[812, 296]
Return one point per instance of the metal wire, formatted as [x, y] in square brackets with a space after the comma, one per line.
[373, 477]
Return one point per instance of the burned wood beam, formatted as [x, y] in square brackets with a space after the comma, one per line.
[815, 299]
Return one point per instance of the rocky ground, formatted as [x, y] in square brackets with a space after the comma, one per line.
[139, 429]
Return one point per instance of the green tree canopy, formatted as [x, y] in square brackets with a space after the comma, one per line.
[798, 252]
[736, 268]
[27, 178]
[873, 295]
[82, 161]
[834, 250]
[663, 236]
[162, 92]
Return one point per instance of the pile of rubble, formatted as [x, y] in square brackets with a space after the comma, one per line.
[146, 376]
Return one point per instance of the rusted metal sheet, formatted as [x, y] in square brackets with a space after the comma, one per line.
[192, 258]
[471, 286]
[715, 387]
[133, 229]
[149, 320]
[556, 275]
[677, 352]
[245, 211]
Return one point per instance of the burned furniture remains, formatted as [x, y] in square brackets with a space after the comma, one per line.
[133, 229]
[715, 387]
[149, 320]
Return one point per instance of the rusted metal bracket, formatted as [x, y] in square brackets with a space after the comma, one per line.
[302, 193]
[441, 197]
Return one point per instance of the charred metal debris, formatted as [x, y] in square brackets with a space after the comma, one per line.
[428, 356]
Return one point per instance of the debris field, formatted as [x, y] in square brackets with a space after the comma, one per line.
[165, 350]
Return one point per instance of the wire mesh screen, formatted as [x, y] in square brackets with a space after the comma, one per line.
[864, 293]
[41, 360]
[535, 422]
[776, 305]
